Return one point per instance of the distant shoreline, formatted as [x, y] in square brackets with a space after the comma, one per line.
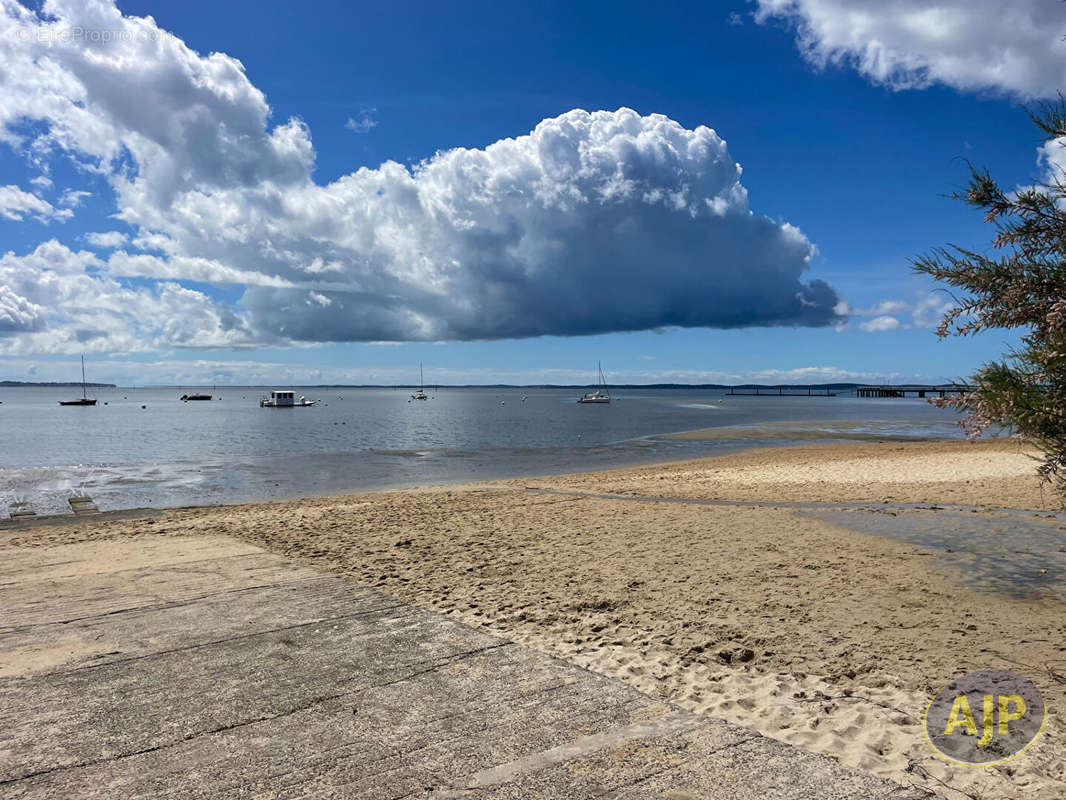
[680, 386]
[45, 384]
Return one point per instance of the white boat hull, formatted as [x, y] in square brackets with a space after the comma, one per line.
[601, 395]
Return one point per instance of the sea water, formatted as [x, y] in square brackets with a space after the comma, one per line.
[145, 447]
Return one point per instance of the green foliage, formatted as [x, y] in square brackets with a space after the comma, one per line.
[1021, 285]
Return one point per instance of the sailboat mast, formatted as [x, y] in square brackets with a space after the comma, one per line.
[421, 380]
[83, 395]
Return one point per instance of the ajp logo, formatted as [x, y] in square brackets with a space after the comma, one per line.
[985, 718]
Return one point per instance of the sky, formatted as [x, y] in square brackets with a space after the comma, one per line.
[279, 193]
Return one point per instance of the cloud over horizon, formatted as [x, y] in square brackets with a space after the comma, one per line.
[592, 222]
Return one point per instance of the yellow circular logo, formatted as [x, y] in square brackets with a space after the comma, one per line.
[985, 718]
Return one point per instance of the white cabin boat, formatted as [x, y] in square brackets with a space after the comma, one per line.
[285, 398]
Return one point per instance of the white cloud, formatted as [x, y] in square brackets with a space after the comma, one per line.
[883, 323]
[925, 311]
[108, 239]
[884, 307]
[152, 241]
[929, 309]
[139, 95]
[1051, 157]
[1013, 46]
[15, 204]
[73, 198]
[366, 121]
[205, 270]
[56, 302]
[17, 314]
[592, 222]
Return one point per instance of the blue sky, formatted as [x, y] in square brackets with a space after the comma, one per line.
[859, 161]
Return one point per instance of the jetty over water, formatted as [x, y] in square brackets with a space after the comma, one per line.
[781, 391]
[918, 389]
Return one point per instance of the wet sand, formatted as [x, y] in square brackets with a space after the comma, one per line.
[723, 586]
[813, 432]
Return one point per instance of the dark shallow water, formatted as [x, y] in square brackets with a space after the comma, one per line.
[230, 450]
[1020, 553]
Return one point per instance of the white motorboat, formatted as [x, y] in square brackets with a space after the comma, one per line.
[601, 395]
[284, 398]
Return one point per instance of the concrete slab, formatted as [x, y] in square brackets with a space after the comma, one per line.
[82, 505]
[207, 668]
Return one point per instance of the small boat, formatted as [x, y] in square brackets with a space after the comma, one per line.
[83, 400]
[601, 395]
[421, 393]
[283, 398]
[187, 397]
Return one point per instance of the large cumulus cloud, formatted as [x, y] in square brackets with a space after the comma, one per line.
[1014, 46]
[592, 222]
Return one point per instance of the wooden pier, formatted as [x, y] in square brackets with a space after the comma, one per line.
[920, 390]
[778, 391]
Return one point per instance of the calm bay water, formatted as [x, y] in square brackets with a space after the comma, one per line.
[230, 450]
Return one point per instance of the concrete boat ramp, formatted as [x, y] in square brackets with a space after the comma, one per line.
[203, 667]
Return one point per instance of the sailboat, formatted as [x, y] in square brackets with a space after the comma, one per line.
[421, 393]
[83, 400]
[601, 395]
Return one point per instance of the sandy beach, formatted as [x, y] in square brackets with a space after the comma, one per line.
[735, 586]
